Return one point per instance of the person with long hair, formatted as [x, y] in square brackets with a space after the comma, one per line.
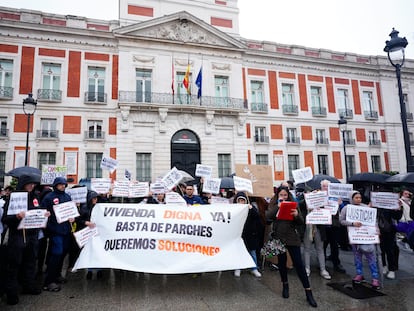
[287, 232]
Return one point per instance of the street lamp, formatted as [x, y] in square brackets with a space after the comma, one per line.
[395, 50]
[29, 108]
[342, 123]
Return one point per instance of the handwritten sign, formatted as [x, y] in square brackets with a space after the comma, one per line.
[78, 194]
[121, 188]
[211, 185]
[34, 218]
[386, 200]
[50, 172]
[83, 236]
[332, 205]
[17, 203]
[242, 184]
[316, 199]
[101, 185]
[363, 214]
[138, 189]
[336, 190]
[65, 211]
[302, 175]
[158, 187]
[203, 170]
[172, 178]
[319, 216]
[363, 235]
[109, 164]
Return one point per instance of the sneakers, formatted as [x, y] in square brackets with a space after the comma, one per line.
[391, 275]
[52, 287]
[384, 270]
[256, 273]
[237, 273]
[325, 274]
[358, 279]
[375, 284]
[308, 271]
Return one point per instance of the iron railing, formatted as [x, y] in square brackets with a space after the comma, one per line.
[6, 92]
[95, 98]
[319, 111]
[49, 95]
[47, 134]
[94, 135]
[371, 115]
[290, 109]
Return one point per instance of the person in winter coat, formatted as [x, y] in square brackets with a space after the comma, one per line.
[59, 235]
[22, 246]
[251, 233]
[287, 232]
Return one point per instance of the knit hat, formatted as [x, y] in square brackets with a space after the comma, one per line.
[241, 195]
[59, 180]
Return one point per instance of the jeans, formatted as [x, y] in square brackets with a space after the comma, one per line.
[296, 255]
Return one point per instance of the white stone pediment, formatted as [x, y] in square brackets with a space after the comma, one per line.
[181, 27]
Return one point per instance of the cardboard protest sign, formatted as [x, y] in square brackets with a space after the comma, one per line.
[18, 202]
[65, 211]
[316, 199]
[203, 170]
[211, 185]
[50, 172]
[34, 218]
[83, 236]
[336, 190]
[363, 235]
[101, 185]
[78, 194]
[302, 175]
[361, 213]
[107, 163]
[167, 238]
[319, 216]
[260, 177]
[386, 200]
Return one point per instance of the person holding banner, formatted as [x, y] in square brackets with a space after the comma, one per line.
[59, 235]
[22, 245]
[287, 232]
[361, 249]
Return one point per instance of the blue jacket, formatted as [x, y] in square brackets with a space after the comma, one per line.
[52, 198]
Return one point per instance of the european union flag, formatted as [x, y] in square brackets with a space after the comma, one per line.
[199, 82]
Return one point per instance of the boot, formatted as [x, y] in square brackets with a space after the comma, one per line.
[285, 291]
[309, 298]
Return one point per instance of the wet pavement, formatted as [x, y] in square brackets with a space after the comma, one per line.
[122, 290]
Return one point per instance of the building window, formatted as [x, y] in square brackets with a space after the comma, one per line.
[51, 75]
[6, 78]
[316, 99]
[291, 136]
[3, 127]
[2, 167]
[293, 163]
[344, 106]
[48, 128]
[321, 137]
[95, 129]
[143, 165]
[224, 165]
[96, 84]
[184, 96]
[348, 138]
[221, 90]
[93, 165]
[407, 107]
[376, 164]
[260, 135]
[323, 165]
[262, 159]
[369, 109]
[373, 138]
[257, 96]
[46, 158]
[143, 85]
[288, 94]
[351, 165]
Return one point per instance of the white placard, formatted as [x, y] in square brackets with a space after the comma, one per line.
[65, 211]
[363, 235]
[158, 187]
[319, 216]
[243, 184]
[138, 189]
[337, 190]
[50, 172]
[359, 213]
[332, 205]
[172, 178]
[316, 199]
[121, 188]
[34, 218]
[109, 164]
[203, 170]
[386, 200]
[83, 236]
[174, 198]
[219, 200]
[18, 203]
[78, 194]
[211, 185]
[302, 175]
[101, 185]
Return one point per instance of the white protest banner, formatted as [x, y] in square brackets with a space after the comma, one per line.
[34, 218]
[302, 175]
[83, 236]
[101, 185]
[138, 189]
[386, 200]
[65, 211]
[360, 213]
[219, 200]
[172, 178]
[363, 235]
[50, 172]
[211, 185]
[316, 199]
[167, 238]
[319, 216]
[109, 164]
[337, 190]
[332, 205]
[243, 184]
[203, 170]
[77, 194]
[174, 198]
[157, 187]
[17, 203]
[121, 188]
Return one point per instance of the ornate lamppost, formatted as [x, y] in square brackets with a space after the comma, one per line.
[342, 123]
[29, 108]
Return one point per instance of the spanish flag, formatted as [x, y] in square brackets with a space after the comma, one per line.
[186, 80]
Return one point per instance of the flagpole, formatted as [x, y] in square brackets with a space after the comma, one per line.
[172, 78]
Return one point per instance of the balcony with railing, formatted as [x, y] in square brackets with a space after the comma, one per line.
[182, 100]
[322, 141]
[47, 134]
[291, 110]
[350, 141]
[374, 142]
[318, 111]
[346, 113]
[371, 115]
[48, 95]
[95, 98]
[94, 135]
[259, 107]
[409, 116]
[261, 139]
[6, 92]
[4, 133]
[293, 140]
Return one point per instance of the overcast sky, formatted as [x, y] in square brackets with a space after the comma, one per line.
[358, 26]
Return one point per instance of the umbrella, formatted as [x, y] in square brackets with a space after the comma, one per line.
[24, 170]
[186, 176]
[315, 182]
[369, 178]
[403, 179]
[227, 183]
